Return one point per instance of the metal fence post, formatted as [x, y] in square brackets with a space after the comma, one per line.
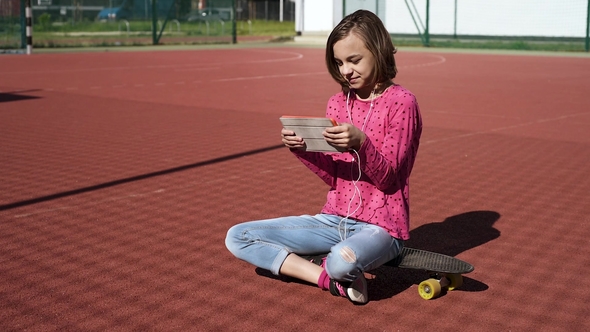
[234, 30]
[588, 28]
[23, 23]
[29, 26]
[455, 22]
[154, 23]
[427, 30]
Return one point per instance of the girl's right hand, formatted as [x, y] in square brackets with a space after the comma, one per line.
[290, 140]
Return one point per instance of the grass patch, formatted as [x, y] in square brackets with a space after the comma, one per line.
[139, 33]
[552, 45]
[89, 33]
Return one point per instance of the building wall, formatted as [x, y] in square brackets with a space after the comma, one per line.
[317, 15]
[473, 17]
[493, 18]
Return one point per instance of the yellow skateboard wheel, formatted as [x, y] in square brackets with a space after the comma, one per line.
[455, 281]
[429, 289]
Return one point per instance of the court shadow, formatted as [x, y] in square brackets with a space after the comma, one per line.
[113, 183]
[8, 97]
[456, 234]
[451, 237]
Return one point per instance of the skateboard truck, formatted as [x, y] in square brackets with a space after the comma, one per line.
[432, 287]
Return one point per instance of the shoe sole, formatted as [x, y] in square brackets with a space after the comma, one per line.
[356, 295]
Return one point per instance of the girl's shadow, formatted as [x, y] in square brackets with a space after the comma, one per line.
[451, 237]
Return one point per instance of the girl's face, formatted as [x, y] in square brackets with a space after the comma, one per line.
[356, 64]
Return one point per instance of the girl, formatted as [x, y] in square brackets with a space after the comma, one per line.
[366, 216]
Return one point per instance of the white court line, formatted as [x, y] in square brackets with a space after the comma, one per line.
[472, 115]
[196, 69]
[526, 124]
[133, 195]
[441, 60]
[98, 202]
[266, 76]
[295, 56]
[185, 185]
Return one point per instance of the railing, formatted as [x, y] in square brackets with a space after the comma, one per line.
[126, 24]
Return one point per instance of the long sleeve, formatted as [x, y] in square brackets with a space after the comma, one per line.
[393, 128]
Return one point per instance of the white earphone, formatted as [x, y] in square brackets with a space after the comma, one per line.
[357, 191]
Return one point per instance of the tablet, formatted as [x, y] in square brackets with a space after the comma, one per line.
[311, 129]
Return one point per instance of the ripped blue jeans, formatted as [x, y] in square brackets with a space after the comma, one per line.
[353, 246]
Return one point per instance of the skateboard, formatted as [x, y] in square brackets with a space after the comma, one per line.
[445, 272]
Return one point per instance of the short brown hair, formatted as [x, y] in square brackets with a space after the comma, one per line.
[371, 30]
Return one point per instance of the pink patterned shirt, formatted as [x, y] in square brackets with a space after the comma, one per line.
[393, 128]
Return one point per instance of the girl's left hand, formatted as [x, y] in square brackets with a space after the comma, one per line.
[345, 135]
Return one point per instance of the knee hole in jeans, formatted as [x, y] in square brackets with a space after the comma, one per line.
[348, 255]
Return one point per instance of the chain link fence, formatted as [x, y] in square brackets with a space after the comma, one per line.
[11, 25]
[499, 24]
[524, 24]
[70, 23]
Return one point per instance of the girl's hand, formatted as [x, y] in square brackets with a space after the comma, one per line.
[345, 135]
[290, 140]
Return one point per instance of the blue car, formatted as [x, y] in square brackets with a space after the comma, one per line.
[115, 13]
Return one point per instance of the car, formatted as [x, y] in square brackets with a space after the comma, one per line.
[113, 13]
[209, 14]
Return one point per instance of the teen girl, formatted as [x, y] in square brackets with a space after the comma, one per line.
[366, 216]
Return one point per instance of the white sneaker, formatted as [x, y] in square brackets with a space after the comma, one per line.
[356, 291]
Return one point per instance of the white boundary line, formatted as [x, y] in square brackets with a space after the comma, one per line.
[525, 124]
[440, 61]
[294, 57]
[266, 76]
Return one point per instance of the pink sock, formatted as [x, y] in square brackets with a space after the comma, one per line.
[324, 280]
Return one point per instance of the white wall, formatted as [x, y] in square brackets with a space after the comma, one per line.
[550, 18]
[318, 15]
